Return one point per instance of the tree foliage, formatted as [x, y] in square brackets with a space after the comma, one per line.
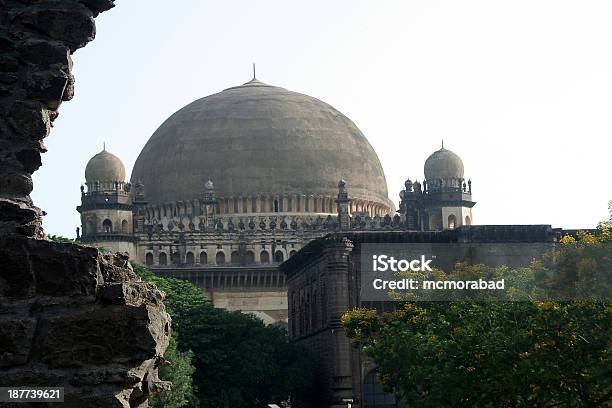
[241, 362]
[60, 239]
[180, 374]
[181, 296]
[238, 360]
[498, 354]
[468, 353]
[581, 268]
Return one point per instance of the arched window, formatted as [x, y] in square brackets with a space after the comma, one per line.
[124, 226]
[189, 259]
[176, 258]
[203, 258]
[275, 205]
[468, 220]
[149, 258]
[452, 221]
[107, 226]
[279, 257]
[250, 257]
[235, 258]
[264, 257]
[220, 258]
[374, 394]
[293, 252]
[163, 258]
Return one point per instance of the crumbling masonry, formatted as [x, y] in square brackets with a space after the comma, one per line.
[69, 315]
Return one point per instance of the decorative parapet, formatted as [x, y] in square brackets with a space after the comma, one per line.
[265, 223]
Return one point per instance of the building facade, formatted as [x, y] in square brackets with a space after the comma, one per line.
[235, 183]
[229, 187]
[324, 281]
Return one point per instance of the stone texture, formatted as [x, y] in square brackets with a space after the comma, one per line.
[74, 317]
[259, 140]
[69, 315]
[39, 268]
[36, 41]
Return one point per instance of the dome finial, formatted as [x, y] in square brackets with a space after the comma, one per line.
[103, 146]
[254, 77]
[443, 143]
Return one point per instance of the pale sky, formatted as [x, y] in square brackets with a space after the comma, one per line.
[521, 90]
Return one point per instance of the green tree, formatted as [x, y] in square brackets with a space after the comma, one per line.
[181, 296]
[180, 374]
[60, 239]
[241, 362]
[502, 354]
[238, 360]
[499, 354]
[580, 268]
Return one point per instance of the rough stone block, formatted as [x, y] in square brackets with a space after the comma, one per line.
[16, 335]
[30, 119]
[131, 294]
[39, 267]
[68, 316]
[47, 86]
[116, 268]
[112, 334]
[74, 25]
[29, 159]
[44, 53]
[36, 375]
[99, 6]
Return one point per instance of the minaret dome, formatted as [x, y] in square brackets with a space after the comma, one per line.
[104, 167]
[443, 164]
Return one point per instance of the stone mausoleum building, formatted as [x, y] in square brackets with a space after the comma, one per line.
[235, 183]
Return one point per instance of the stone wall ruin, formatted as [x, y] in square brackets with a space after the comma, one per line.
[70, 316]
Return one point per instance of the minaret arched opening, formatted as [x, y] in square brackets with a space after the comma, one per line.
[452, 221]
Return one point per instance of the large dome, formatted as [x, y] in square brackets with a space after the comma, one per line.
[258, 140]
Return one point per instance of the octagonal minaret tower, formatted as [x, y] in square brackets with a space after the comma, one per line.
[443, 200]
[106, 205]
